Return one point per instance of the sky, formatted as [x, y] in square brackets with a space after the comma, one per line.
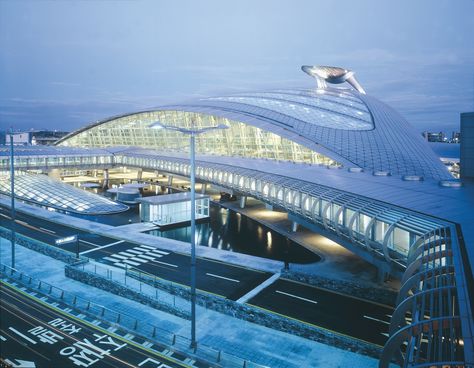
[65, 64]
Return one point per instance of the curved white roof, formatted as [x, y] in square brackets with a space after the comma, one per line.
[349, 127]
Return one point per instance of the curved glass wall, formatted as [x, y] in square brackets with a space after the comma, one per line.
[44, 191]
[239, 140]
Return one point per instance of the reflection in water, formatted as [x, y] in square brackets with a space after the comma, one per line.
[234, 232]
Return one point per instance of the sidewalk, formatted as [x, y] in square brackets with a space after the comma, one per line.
[246, 340]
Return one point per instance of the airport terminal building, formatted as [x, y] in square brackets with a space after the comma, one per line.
[339, 162]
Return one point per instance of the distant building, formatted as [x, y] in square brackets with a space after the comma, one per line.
[21, 138]
[455, 137]
[33, 137]
[467, 145]
[46, 137]
[442, 137]
[434, 137]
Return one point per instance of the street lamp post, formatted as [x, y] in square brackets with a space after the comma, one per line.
[192, 135]
[12, 193]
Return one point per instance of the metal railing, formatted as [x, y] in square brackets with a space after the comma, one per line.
[122, 320]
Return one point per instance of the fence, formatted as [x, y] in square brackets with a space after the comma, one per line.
[122, 320]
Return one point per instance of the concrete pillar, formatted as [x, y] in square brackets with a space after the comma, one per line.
[294, 226]
[242, 201]
[170, 183]
[139, 174]
[106, 178]
[203, 188]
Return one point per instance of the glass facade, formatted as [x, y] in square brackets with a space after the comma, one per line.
[42, 190]
[162, 212]
[382, 229]
[240, 139]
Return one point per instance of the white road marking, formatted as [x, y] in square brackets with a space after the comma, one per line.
[111, 259]
[102, 247]
[297, 297]
[222, 277]
[118, 256]
[21, 335]
[131, 263]
[127, 254]
[136, 259]
[166, 264]
[49, 231]
[87, 242]
[147, 344]
[8, 217]
[134, 251]
[376, 319]
[155, 255]
[147, 257]
[160, 252]
[3, 338]
[147, 247]
[149, 360]
[143, 250]
[141, 259]
[384, 333]
[118, 264]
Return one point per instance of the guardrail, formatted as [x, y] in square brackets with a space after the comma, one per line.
[123, 320]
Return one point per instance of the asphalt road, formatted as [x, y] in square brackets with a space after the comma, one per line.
[350, 316]
[33, 332]
[343, 314]
[212, 276]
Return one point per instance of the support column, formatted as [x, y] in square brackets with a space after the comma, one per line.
[203, 188]
[170, 183]
[139, 174]
[242, 201]
[106, 179]
[294, 226]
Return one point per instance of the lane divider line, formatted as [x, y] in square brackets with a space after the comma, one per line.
[296, 296]
[222, 277]
[376, 319]
[166, 264]
[21, 335]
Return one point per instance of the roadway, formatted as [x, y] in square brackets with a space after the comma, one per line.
[34, 334]
[350, 316]
[343, 314]
[227, 280]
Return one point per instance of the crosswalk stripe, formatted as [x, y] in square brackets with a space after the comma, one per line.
[155, 254]
[121, 265]
[131, 263]
[147, 257]
[127, 254]
[119, 256]
[111, 259]
[147, 247]
[161, 252]
[137, 259]
[134, 251]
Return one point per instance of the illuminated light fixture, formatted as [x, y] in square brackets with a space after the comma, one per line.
[333, 75]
